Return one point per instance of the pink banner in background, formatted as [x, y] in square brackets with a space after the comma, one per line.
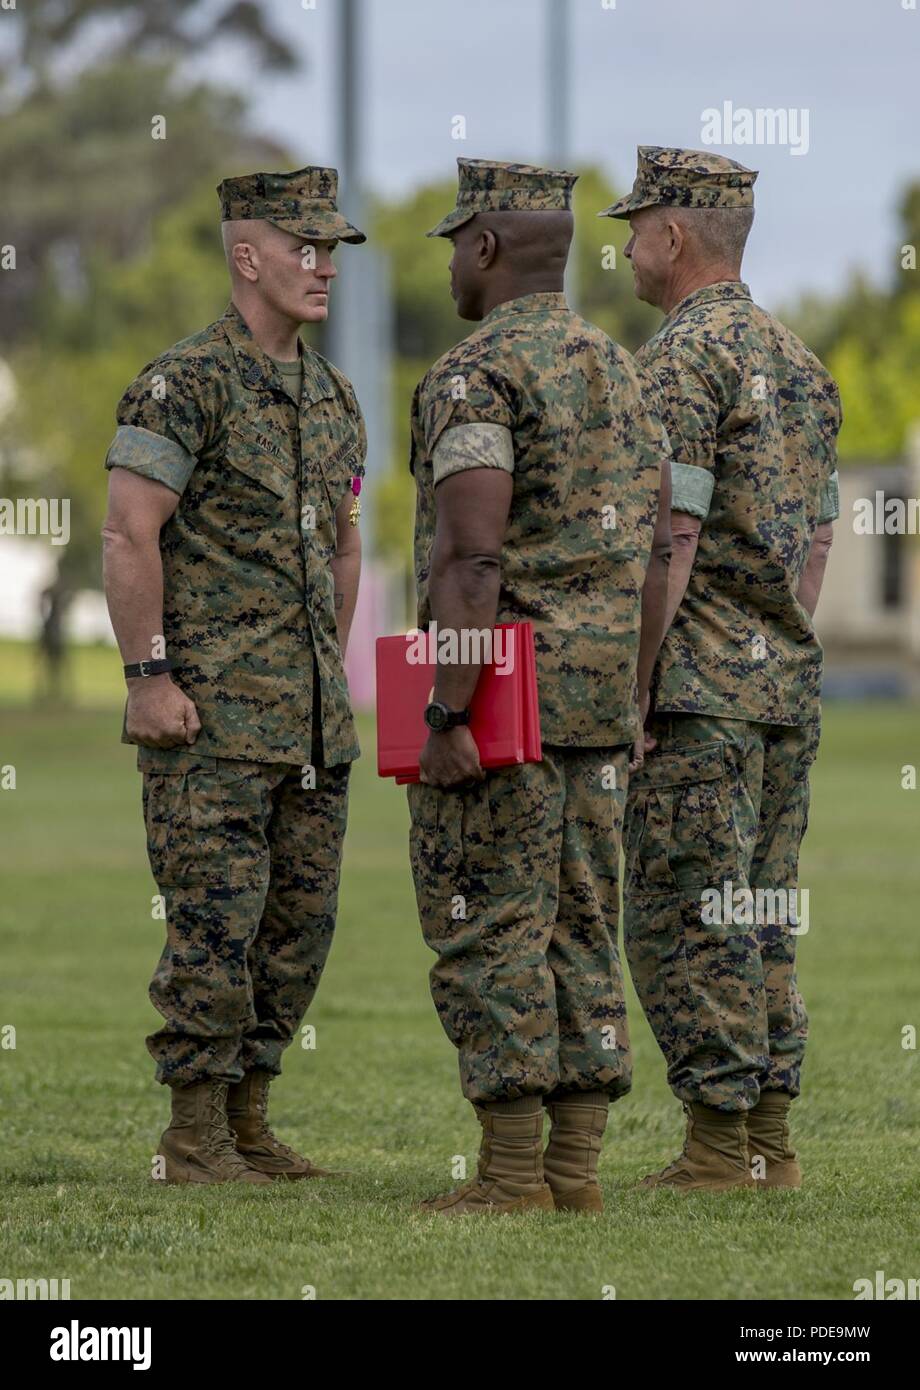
[373, 619]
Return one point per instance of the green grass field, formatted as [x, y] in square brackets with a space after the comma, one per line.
[379, 1096]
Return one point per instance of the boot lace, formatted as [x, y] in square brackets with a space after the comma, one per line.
[220, 1141]
[264, 1132]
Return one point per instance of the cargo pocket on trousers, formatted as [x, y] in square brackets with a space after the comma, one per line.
[434, 855]
[502, 825]
[187, 838]
[470, 848]
[680, 834]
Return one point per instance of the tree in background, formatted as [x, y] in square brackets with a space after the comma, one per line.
[117, 254]
[95, 343]
[50, 35]
[869, 337]
[115, 232]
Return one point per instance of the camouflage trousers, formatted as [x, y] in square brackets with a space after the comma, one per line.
[517, 883]
[714, 821]
[247, 860]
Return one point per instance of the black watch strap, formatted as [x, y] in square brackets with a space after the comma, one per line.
[440, 718]
[149, 668]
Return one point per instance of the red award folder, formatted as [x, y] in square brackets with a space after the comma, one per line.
[504, 714]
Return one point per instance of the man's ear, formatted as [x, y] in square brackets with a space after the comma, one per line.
[676, 239]
[246, 260]
[488, 245]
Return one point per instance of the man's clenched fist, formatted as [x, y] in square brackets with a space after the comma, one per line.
[159, 715]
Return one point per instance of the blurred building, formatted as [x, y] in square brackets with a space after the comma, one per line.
[869, 615]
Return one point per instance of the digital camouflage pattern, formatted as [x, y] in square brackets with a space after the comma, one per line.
[303, 203]
[517, 883]
[587, 451]
[685, 179]
[490, 186]
[247, 860]
[753, 419]
[249, 613]
[718, 801]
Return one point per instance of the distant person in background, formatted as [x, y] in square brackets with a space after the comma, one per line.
[231, 571]
[721, 803]
[538, 461]
[52, 643]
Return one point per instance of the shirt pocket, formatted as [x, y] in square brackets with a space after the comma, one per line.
[335, 450]
[254, 468]
[681, 835]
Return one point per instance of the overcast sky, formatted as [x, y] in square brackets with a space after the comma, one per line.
[642, 71]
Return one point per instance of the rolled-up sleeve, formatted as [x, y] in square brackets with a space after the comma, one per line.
[690, 412]
[462, 447]
[152, 456]
[691, 489]
[468, 418]
[829, 506]
[165, 419]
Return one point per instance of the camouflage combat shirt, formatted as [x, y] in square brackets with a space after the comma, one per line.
[565, 410]
[753, 419]
[248, 607]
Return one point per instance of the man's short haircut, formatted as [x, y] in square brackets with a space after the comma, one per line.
[532, 240]
[720, 233]
[249, 229]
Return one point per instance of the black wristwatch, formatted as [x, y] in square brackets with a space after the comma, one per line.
[439, 718]
[149, 668]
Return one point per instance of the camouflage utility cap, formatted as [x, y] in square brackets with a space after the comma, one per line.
[685, 179]
[490, 186]
[302, 203]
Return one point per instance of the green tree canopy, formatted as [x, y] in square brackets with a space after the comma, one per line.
[85, 179]
[869, 338]
[118, 255]
[54, 35]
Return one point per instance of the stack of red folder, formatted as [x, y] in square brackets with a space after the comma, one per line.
[504, 714]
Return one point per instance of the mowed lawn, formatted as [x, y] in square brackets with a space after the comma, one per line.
[379, 1095]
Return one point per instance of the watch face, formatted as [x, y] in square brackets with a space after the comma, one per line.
[436, 717]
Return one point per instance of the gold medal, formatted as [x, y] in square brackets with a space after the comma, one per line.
[356, 504]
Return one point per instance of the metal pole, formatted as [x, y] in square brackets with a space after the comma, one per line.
[557, 79]
[349, 100]
[557, 82]
[360, 338]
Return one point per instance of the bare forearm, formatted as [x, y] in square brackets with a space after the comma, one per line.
[346, 575]
[133, 577]
[682, 557]
[464, 596]
[813, 576]
[654, 619]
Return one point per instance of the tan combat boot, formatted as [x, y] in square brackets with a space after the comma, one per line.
[768, 1141]
[714, 1156]
[198, 1146]
[509, 1177]
[247, 1113]
[570, 1162]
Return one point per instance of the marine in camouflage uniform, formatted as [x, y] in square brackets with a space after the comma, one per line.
[245, 827]
[527, 981]
[722, 799]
